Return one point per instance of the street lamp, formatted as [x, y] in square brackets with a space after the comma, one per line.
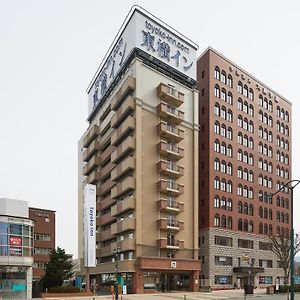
[290, 185]
[116, 252]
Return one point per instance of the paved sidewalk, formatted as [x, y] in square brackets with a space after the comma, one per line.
[215, 295]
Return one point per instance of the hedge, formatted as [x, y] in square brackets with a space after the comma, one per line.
[285, 288]
[64, 289]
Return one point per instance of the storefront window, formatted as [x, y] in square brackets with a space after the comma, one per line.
[12, 241]
[223, 279]
[3, 239]
[26, 230]
[3, 250]
[149, 281]
[265, 279]
[3, 228]
[15, 229]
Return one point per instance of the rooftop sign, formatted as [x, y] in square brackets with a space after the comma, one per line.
[144, 31]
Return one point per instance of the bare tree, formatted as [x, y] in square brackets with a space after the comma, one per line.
[282, 248]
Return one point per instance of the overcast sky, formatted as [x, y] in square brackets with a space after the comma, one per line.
[50, 50]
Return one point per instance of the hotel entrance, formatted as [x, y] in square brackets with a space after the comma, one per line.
[166, 282]
[174, 282]
[166, 275]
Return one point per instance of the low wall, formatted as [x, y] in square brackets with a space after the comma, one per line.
[67, 295]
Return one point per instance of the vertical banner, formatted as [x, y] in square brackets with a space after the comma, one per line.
[89, 221]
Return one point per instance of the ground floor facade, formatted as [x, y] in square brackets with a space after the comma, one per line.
[233, 259]
[149, 275]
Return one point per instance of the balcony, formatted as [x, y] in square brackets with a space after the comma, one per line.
[106, 153]
[170, 244]
[174, 189]
[127, 145]
[172, 207]
[106, 186]
[105, 235]
[127, 87]
[127, 106]
[91, 150]
[125, 245]
[92, 134]
[170, 151]
[92, 178]
[106, 169]
[104, 251]
[123, 129]
[123, 167]
[170, 225]
[170, 95]
[170, 132]
[122, 206]
[125, 225]
[93, 163]
[170, 113]
[121, 187]
[105, 219]
[105, 203]
[170, 169]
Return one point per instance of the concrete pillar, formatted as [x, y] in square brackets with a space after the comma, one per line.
[29, 282]
[138, 281]
[194, 281]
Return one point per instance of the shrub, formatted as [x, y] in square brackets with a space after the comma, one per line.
[285, 288]
[64, 289]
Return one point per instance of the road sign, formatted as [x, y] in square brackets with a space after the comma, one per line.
[297, 279]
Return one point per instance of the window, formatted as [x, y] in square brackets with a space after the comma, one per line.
[240, 207]
[229, 98]
[217, 146]
[251, 94]
[223, 280]
[217, 127]
[223, 77]
[223, 241]
[217, 73]
[217, 220]
[217, 164]
[240, 87]
[229, 81]
[217, 91]
[223, 261]
[240, 224]
[265, 246]
[265, 280]
[217, 202]
[217, 183]
[245, 91]
[245, 243]
[265, 263]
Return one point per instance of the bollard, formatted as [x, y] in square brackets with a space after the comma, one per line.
[184, 297]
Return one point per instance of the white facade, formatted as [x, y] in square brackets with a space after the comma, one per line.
[16, 249]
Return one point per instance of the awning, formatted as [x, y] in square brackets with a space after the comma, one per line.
[248, 270]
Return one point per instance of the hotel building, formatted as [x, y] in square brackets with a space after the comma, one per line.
[244, 155]
[141, 152]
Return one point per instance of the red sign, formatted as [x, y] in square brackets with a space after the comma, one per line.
[15, 241]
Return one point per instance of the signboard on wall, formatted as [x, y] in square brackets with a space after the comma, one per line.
[15, 251]
[15, 241]
[143, 31]
[89, 221]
